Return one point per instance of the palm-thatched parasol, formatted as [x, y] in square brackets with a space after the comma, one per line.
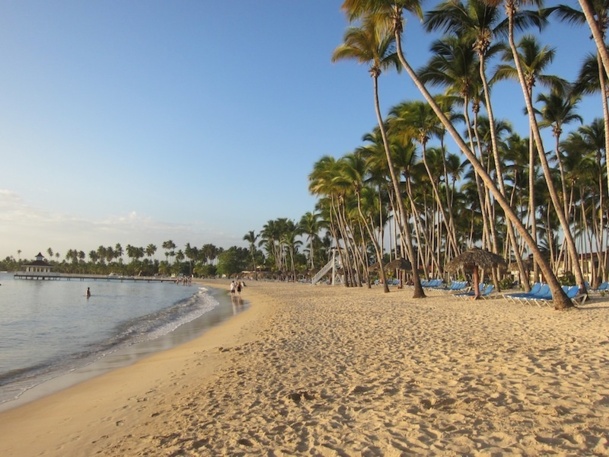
[399, 264]
[475, 258]
[373, 267]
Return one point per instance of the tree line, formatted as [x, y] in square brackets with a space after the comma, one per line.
[274, 252]
[508, 193]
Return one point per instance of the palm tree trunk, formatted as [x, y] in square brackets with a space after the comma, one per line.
[596, 33]
[418, 288]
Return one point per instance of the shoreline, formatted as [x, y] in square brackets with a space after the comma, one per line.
[321, 370]
[132, 354]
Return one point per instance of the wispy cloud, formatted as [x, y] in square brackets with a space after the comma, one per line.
[28, 228]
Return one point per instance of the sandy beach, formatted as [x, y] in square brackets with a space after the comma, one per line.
[331, 371]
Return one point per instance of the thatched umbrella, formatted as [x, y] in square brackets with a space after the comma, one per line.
[473, 259]
[399, 264]
[373, 267]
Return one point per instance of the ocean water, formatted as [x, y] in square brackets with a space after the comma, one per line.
[49, 329]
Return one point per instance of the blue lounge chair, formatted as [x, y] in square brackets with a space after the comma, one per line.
[603, 287]
[514, 296]
[457, 286]
[572, 293]
[542, 293]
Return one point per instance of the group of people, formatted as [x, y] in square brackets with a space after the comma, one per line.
[236, 287]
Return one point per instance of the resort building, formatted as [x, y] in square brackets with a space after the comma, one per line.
[37, 266]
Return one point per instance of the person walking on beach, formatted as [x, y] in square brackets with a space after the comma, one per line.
[232, 287]
[239, 287]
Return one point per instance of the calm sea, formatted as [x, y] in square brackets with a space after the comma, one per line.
[50, 329]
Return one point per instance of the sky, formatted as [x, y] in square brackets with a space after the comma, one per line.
[196, 121]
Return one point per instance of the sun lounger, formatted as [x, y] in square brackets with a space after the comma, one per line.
[603, 287]
[514, 296]
[457, 286]
[572, 293]
[433, 283]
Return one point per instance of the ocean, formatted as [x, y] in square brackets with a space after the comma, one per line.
[52, 335]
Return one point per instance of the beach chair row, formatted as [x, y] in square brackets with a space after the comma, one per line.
[603, 287]
[433, 283]
[540, 295]
[457, 286]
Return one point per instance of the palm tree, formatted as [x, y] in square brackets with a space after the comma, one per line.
[478, 22]
[417, 120]
[533, 61]
[169, 247]
[595, 12]
[593, 75]
[251, 238]
[191, 253]
[558, 110]
[310, 225]
[373, 43]
[150, 250]
[392, 10]
[511, 7]
[354, 170]
[592, 79]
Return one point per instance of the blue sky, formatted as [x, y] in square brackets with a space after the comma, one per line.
[192, 120]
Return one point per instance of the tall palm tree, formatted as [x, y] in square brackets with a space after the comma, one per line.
[311, 224]
[592, 79]
[392, 10]
[169, 247]
[512, 11]
[354, 170]
[558, 110]
[416, 120]
[534, 59]
[595, 12]
[150, 250]
[373, 43]
[251, 237]
[594, 70]
[478, 22]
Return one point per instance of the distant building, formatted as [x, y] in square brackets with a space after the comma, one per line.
[38, 266]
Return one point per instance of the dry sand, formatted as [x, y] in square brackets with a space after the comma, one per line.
[330, 371]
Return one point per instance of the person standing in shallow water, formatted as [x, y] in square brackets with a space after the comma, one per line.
[88, 292]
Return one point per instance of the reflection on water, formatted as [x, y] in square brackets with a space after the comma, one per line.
[238, 304]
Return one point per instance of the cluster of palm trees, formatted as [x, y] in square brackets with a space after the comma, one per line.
[511, 194]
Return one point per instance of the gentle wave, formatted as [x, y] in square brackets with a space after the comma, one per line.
[133, 330]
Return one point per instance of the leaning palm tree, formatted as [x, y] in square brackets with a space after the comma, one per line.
[373, 43]
[592, 79]
[512, 11]
[595, 13]
[477, 22]
[392, 10]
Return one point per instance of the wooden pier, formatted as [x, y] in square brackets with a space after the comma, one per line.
[48, 276]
